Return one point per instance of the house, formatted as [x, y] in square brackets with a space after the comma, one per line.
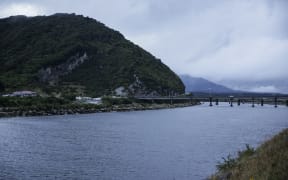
[21, 94]
[89, 100]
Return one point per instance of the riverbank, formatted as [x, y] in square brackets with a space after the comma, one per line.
[269, 161]
[84, 109]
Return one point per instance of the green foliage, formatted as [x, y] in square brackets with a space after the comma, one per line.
[227, 164]
[48, 105]
[230, 163]
[2, 87]
[108, 101]
[248, 152]
[190, 94]
[32, 101]
[30, 44]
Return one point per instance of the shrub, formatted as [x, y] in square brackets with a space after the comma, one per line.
[227, 164]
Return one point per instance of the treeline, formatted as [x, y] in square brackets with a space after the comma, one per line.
[39, 106]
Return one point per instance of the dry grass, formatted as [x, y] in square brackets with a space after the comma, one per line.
[269, 162]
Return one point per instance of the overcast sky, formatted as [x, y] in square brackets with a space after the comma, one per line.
[242, 44]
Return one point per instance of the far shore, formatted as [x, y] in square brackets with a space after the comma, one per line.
[87, 109]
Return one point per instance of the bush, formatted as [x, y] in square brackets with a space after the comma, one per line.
[246, 153]
[108, 101]
[230, 163]
[227, 164]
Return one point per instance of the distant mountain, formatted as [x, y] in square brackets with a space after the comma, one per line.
[195, 84]
[68, 54]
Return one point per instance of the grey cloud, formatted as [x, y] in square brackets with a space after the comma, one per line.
[278, 85]
[169, 9]
[224, 41]
[221, 41]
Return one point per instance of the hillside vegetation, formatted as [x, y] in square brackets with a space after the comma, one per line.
[68, 54]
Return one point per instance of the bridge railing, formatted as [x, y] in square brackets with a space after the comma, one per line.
[217, 100]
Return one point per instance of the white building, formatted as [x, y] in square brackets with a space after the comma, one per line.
[21, 94]
[89, 100]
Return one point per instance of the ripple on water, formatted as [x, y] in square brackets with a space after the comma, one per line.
[182, 143]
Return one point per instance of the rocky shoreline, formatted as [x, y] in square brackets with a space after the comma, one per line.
[18, 112]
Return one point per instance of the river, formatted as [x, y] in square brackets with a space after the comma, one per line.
[181, 143]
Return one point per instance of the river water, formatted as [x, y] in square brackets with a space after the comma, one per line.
[183, 143]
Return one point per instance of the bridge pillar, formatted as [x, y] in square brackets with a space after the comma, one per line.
[239, 101]
[275, 102]
[262, 102]
[286, 102]
[231, 102]
[253, 105]
[210, 100]
[217, 102]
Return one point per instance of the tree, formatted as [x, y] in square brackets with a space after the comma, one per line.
[2, 87]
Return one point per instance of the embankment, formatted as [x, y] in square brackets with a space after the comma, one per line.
[267, 162]
[83, 109]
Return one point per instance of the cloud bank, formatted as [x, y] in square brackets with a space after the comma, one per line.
[21, 9]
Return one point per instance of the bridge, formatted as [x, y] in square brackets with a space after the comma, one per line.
[231, 100]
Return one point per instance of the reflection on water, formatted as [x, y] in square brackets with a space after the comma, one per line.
[183, 143]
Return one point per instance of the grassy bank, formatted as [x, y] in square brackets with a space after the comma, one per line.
[268, 162]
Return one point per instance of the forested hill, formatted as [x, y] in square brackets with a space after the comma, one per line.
[68, 54]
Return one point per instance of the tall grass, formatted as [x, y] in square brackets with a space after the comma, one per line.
[268, 162]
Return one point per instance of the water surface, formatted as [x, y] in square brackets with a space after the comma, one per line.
[183, 143]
